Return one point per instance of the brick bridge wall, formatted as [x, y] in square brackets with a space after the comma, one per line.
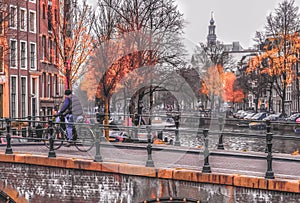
[87, 181]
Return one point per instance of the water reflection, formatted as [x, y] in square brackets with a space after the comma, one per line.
[191, 139]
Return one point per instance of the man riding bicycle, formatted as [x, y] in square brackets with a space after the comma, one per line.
[72, 110]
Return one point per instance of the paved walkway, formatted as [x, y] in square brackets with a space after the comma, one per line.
[285, 166]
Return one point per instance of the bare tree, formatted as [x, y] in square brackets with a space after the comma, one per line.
[72, 35]
[135, 34]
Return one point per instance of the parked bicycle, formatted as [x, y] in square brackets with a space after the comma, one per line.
[83, 136]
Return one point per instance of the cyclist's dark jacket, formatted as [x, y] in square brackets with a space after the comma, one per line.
[72, 106]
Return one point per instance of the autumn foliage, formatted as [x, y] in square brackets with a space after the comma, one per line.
[219, 83]
[230, 93]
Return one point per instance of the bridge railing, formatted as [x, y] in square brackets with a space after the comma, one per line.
[31, 129]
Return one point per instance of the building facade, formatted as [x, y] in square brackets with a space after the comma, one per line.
[29, 78]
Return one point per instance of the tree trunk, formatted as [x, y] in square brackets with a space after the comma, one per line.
[106, 119]
[151, 105]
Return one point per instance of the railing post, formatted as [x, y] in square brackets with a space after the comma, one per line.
[135, 131]
[98, 132]
[201, 124]
[51, 139]
[206, 166]
[220, 144]
[29, 126]
[177, 142]
[268, 127]
[8, 149]
[269, 173]
[149, 162]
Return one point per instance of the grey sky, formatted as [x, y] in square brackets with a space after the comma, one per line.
[235, 20]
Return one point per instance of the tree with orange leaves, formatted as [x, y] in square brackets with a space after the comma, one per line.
[213, 85]
[232, 94]
[280, 48]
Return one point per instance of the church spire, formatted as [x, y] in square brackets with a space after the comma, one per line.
[211, 37]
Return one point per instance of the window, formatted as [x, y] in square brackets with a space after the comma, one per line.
[44, 48]
[13, 53]
[13, 17]
[55, 92]
[50, 50]
[43, 84]
[55, 53]
[32, 56]
[23, 54]
[44, 11]
[23, 96]
[1, 23]
[23, 19]
[49, 17]
[1, 60]
[13, 96]
[32, 23]
[49, 86]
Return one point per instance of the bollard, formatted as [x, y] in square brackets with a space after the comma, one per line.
[8, 149]
[220, 144]
[160, 135]
[269, 173]
[149, 162]
[99, 132]
[206, 166]
[176, 119]
[51, 140]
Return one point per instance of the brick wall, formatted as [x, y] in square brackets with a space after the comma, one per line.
[51, 184]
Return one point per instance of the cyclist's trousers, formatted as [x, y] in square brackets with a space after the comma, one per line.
[69, 119]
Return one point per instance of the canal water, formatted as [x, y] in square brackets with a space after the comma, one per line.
[190, 138]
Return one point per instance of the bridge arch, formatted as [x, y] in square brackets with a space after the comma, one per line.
[10, 195]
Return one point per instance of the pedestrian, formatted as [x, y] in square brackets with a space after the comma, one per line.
[73, 111]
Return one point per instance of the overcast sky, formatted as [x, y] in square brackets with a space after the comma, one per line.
[235, 20]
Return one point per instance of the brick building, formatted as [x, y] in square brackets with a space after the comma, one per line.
[29, 78]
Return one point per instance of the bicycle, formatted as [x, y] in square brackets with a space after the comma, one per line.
[83, 136]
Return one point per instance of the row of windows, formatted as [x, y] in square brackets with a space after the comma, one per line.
[51, 86]
[13, 19]
[23, 55]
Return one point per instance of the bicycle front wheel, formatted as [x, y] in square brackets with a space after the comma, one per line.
[85, 139]
[57, 138]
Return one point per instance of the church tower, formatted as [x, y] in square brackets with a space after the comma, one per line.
[211, 37]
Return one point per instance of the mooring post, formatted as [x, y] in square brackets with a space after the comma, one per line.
[220, 144]
[99, 132]
[8, 149]
[269, 173]
[51, 139]
[206, 166]
[149, 162]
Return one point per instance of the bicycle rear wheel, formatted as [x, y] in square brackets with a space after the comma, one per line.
[85, 139]
[58, 137]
